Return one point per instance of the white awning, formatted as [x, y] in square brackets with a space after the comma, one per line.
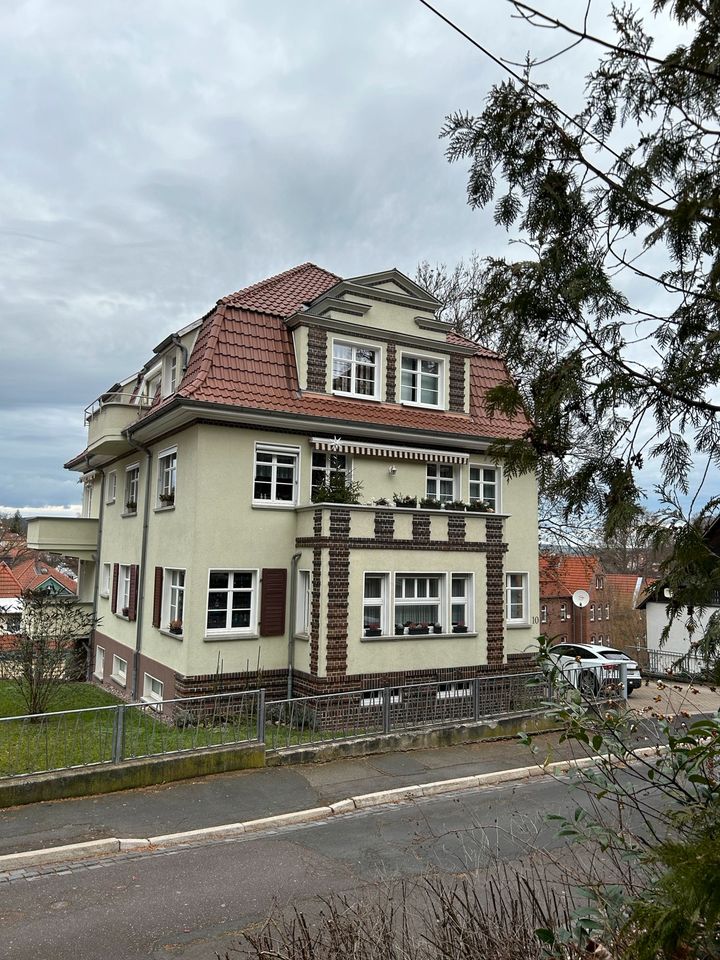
[338, 445]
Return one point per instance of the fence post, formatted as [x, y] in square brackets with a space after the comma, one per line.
[387, 695]
[119, 734]
[476, 698]
[623, 680]
[261, 715]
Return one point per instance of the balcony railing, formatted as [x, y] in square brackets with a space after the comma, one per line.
[107, 417]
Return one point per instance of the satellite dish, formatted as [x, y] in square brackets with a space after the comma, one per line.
[581, 598]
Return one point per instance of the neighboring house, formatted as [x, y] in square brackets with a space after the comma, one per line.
[685, 628]
[29, 573]
[215, 570]
[561, 575]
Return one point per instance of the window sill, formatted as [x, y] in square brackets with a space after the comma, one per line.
[518, 626]
[129, 513]
[169, 633]
[109, 503]
[220, 638]
[423, 406]
[272, 505]
[304, 637]
[118, 681]
[356, 396]
[419, 636]
[105, 596]
[99, 676]
[165, 508]
[121, 617]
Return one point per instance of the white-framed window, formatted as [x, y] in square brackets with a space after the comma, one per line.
[232, 602]
[563, 611]
[123, 594]
[111, 493]
[173, 599]
[324, 467]
[132, 487]
[543, 613]
[607, 611]
[458, 688]
[592, 611]
[441, 482]
[303, 605]
[153, 689]
[167, 475]
[421, 381]
[106, 580]
[87, 498]
[461, 600]
[484, 486]
[119, 669]
[152, 385]
[516, 597]
[99, 669]
[373, 698]
[170, 373]
[356, 370]
[418, 599]
[375, 604]
[276, 475]
[599, 583]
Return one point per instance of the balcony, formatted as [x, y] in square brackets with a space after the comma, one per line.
[64, 535]
[107, 417]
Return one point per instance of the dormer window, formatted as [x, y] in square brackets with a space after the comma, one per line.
[421, 381]
[170, 373]
[355, 371]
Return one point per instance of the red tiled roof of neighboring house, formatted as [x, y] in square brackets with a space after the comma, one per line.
[32, 573]
[244, 357]
[9, 584]
[622, 585]
[563, 574]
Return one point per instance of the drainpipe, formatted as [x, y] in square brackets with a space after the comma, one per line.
[143, 559]
[96, 585]
[291, 622]
[183, 349]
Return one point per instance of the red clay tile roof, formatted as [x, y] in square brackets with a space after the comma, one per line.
[244, 357]
[9, 584]
[32, 573]
[622, 586]
[561, 574]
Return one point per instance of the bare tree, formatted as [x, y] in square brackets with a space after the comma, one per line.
[51, 646]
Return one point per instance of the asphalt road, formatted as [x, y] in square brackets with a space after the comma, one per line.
[193, 903]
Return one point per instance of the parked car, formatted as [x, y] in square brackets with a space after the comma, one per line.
[584, 665]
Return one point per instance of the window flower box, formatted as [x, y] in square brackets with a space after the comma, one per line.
[399, 630]
[459, 628]
[125, 611]
[373, 630]
[403, 500]
[176, 627]
[167, 499]
[479, 506]
[455, 505]
[430, 503]
[131, 506]
[437, 628]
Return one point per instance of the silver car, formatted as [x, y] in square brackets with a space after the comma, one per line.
[584, 665]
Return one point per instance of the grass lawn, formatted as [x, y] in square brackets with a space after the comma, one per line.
[87, 738]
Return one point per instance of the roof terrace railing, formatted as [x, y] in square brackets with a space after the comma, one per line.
[115, 397]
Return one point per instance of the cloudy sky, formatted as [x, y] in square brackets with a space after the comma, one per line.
[158, 155]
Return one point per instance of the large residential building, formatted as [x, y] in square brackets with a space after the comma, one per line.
[212, 544]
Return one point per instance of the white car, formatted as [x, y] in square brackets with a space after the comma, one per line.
[584, 665]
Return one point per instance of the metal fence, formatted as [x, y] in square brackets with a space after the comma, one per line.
[670, 663]
[606, 681]
[104, 735]
[357, 713]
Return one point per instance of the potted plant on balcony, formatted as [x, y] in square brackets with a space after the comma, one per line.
[480, 506]
[131, 506]
[455, 505]
[404, 500]
[414, 628]
[167, 499]
[373, 630]
[437, 628]
[459, 628]
[176, 626]
[430, 503]
[399, 629]
[338, 488]
[125, 611]
[381, 502]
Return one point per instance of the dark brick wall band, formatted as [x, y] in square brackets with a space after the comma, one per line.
[457, 384]
[317, 359]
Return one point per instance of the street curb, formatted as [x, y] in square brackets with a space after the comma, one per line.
[92, 848]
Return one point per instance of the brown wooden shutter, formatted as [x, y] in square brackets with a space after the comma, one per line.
[132, 600]
[157, 598]
[272, 602]
[116, 576]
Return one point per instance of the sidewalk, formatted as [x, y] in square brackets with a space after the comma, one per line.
[251, 794]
